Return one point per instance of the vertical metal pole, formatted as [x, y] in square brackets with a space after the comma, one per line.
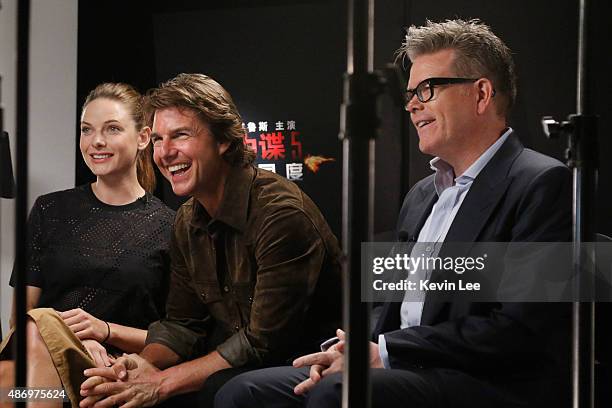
[580, 72]
[1, 110]
[358, 132]
[585, 169]
[2, 176]
[23, 42]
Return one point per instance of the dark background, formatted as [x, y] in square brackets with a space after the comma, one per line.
[276, 62]
[284, 60]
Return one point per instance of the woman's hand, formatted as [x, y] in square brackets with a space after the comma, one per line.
[98, 352]
[85, 326]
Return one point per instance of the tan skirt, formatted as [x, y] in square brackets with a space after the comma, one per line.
[69, 355]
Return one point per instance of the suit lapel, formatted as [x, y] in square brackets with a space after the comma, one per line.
[485, 192]
[475, 213]
[415, 213]
[412, 217]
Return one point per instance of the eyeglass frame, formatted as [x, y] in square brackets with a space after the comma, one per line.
[433, 82]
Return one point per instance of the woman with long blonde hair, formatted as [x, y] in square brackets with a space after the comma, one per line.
[97, 254]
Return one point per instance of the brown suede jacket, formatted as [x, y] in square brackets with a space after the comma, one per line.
[260, 282]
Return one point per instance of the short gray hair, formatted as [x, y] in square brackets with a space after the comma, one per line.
[479, 53]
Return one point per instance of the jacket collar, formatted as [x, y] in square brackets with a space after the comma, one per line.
[234, 206]
[486, 191]
[413, 217]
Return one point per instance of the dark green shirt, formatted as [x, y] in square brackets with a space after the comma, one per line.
[260, 282]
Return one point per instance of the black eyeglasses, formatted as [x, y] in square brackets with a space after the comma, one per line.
[425, 89]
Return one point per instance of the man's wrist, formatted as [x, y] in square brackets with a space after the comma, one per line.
[164, 386]
[159, 355]
[376, 360]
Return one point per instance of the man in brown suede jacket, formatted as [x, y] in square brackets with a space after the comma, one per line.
[255, 278]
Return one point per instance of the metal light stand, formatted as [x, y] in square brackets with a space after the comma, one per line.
[23, 40]
[1, 171]
[581, 154]
[358, 127]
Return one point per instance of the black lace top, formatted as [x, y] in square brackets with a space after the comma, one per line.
[111, 261]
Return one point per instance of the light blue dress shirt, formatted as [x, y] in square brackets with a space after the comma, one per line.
[451, 192]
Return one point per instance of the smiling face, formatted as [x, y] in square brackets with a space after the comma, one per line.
[444, 123]
[187, 153]
[109, 139]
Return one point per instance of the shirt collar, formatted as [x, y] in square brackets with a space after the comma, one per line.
[234, 204]
[445, 177]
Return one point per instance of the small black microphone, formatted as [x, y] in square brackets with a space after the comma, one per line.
[403, 236]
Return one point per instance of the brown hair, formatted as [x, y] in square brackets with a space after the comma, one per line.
[479, 53]
[214, 106]
[132, 99]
